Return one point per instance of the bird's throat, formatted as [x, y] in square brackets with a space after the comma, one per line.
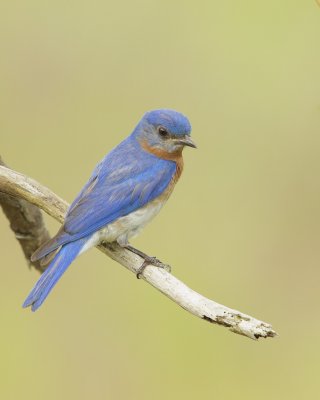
[160, 153]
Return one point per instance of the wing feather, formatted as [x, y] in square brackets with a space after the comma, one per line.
[106, 202]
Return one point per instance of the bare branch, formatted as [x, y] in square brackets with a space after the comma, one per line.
[16, 184]
[26, 223]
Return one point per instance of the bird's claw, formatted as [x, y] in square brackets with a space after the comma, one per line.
[152, 261]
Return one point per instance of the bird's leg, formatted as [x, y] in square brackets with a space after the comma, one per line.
[147, 261]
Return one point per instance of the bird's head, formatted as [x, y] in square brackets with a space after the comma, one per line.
[164, 133]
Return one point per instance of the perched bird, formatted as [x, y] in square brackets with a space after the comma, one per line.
[126, 190]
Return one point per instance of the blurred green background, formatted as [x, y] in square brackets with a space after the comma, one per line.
[242, 226]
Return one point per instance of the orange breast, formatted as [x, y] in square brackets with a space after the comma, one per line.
[165, 155]
[179, 167]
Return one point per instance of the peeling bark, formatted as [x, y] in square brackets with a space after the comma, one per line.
[26, 222]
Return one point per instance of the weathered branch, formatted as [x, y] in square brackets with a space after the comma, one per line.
[16, 184]
[26, 223]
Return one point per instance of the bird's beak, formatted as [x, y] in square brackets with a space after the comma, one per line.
[187, 141]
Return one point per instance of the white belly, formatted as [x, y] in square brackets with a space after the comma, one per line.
[125, 227]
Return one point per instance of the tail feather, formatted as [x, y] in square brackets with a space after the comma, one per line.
[49, 247]
[49, 257]
[53, 273]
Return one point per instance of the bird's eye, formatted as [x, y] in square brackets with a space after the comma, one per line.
[162, 131]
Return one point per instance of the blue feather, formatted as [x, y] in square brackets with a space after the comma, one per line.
[53, 273]
[109, 201]
[174, 121]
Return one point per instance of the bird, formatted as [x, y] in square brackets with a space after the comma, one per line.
[125, 191]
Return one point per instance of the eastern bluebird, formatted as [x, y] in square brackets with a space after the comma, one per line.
[126, 190]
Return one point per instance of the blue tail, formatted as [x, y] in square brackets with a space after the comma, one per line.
[53, 273]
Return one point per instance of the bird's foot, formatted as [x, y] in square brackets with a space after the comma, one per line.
[152, 261]
[147, 261]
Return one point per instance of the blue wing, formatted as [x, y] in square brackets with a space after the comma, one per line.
[105, 201]
[127, 179]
